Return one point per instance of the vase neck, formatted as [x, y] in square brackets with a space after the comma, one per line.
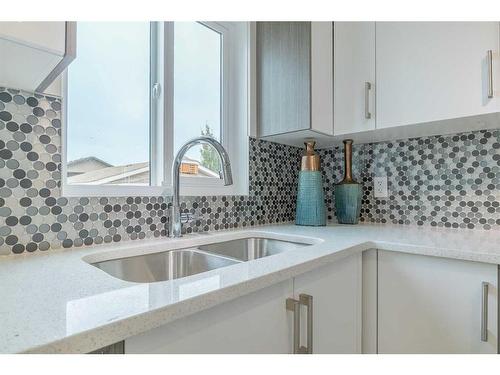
[348, 161]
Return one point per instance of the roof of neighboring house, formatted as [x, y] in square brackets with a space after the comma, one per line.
[113, 174]
[109, 174]
[75, 162]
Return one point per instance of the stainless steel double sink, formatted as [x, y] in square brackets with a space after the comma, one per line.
[174, 264]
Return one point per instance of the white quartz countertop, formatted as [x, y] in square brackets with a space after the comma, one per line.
[57, 302]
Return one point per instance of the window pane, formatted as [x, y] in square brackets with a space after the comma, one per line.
[197, 94]
[108, 105]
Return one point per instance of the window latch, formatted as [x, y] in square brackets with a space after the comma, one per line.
[156, 90]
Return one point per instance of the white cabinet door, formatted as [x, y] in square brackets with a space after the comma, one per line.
[34, 54]
[336, 292]
[48, 36]
[434, 305]
[257, 323]
[369, 302]
[354, 77]
[429, 71]
[23, 67]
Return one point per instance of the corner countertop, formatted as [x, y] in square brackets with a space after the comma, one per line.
[56, 302]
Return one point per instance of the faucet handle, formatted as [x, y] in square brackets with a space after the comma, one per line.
[187, 217]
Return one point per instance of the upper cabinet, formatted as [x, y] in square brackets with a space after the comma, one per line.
[354, 77]
[294, 80]
[34, 54]
[387, 80]
[431, 71]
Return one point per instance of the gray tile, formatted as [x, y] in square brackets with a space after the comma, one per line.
[449, 181]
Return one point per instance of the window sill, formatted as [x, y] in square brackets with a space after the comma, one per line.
[189, 187]
[112, 191]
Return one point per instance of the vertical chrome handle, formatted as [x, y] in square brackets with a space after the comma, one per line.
[294, 305]
[484, 312]
[307, 300]
[368, 87]
[490, 73]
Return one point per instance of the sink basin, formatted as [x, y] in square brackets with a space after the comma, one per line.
[163, 266]
[251, 248]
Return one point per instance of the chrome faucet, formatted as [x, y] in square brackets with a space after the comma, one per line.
[175, 223]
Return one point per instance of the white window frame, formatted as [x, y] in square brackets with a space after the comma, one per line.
[235, 121]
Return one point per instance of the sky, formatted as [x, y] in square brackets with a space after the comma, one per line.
[108, 89]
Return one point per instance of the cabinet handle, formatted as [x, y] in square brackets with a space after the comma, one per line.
[294, 305]
[368, 87]
[490, 73]
[484, 312]
[307, 300]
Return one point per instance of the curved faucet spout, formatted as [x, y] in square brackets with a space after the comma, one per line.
[175, 225]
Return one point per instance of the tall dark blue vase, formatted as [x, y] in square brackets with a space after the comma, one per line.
[348, 193]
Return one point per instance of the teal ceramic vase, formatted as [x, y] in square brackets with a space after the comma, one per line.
[310, 197]
[348, 193]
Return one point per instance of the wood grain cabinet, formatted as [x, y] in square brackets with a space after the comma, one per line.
[294, 80]
[436, 305]
[261, 323]
[34, 54]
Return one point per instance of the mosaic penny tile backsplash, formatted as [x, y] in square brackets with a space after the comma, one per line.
[448, 181]
[34, 216]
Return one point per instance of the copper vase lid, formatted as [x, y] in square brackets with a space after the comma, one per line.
[310, 160]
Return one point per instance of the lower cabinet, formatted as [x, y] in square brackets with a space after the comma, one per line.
[336, 299]
[435, 305]
[256, 323]
[395, 302]
[261, 323]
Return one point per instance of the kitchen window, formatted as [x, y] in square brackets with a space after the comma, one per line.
[137, 91]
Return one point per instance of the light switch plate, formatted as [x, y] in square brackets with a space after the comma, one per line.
[380, 187]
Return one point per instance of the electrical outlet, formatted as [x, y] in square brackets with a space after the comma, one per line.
[380, 187]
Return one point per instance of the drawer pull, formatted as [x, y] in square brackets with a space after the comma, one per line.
[490, 73]
[368, 87]
[484, 312]
[307, 300]
[294, 306]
